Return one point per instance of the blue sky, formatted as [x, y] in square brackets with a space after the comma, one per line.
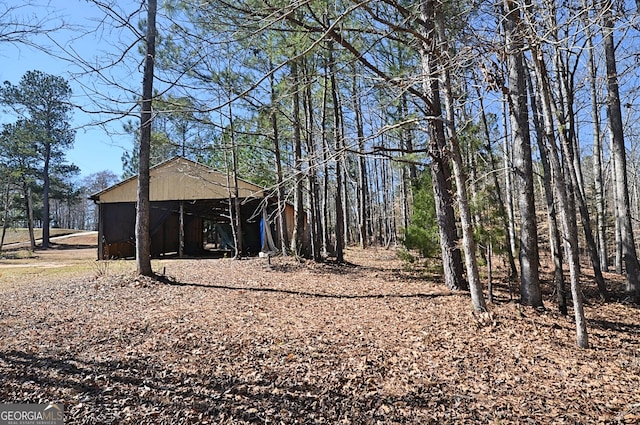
[95, 148]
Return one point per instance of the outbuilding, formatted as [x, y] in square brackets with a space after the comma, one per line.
[190, 214]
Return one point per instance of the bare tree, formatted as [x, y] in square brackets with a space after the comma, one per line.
[273, 117]
[363, 185]
[19, 24]
[567, 214]
[431, 12]
[597, 145]
[614, 114]
[338, 136]
[555, 239]
[143, 212]
[298, 219]
[523, 169]
[314, 214]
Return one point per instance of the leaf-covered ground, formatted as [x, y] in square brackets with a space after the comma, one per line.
[237, 342]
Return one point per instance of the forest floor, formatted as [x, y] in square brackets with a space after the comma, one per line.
[286, 342]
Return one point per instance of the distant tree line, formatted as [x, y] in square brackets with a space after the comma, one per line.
[39, 189]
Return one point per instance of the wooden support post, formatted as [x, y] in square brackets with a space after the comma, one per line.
[101, 238]
[181, 243]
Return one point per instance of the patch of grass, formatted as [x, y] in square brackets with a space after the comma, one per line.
[20, 272]
[18, 255]
[102, 268]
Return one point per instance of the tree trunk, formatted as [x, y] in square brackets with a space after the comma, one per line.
[439, 166]
[298, 201]
[282, 228]
[508, 186]
[46, 187]
[379, 176]
[235, 212]
[143, 236]
[362, 166]
[314, 221]
[502, 209]
[29, 206]
[597, 151]
[404, 193]
[565, 116]
[339, 232]
[429, 13]
[579, 197]
[407, 173]
[5, 215]
[616, 206]
[614, 114]
[490, 270]
[325, 164]
[523, 168]
[393, 234]
[345, 191]
[384, 211]
[567, 214]
[554, 233]
[337, 132]
[237, 216]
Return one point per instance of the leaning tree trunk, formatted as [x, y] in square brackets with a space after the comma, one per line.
[567, 214]
[439, 165]
[429, 13]
[566, 121]
[441, 181]
[579, 196]
[143, 236]
[552, 217]
[522, 164]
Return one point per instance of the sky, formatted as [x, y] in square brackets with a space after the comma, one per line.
[95, 148]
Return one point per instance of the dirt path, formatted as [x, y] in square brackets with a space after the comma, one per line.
[75, 252]
[88, 239]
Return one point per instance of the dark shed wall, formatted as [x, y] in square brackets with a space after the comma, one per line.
[117, 228]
